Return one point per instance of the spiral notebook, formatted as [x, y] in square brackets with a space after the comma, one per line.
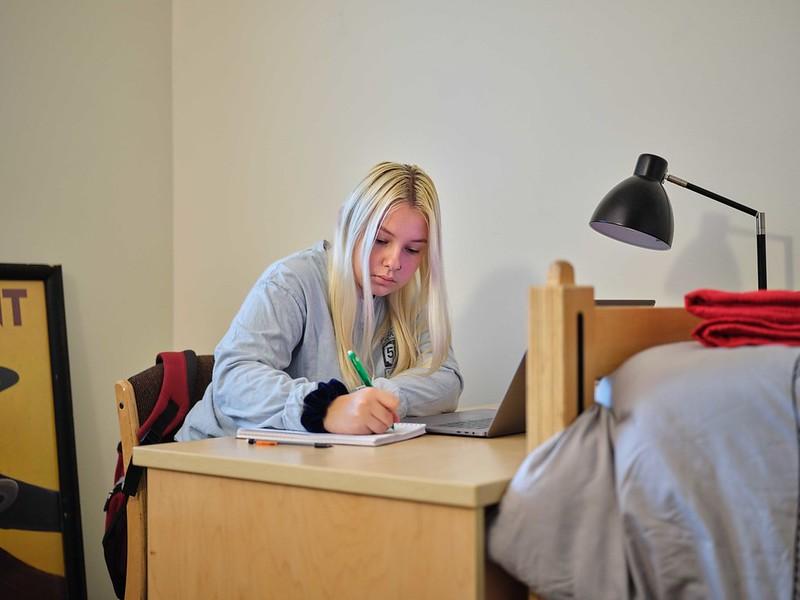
[402, 431]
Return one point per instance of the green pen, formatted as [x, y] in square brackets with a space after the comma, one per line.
[362, 372]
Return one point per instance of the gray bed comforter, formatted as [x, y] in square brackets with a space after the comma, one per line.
[685, 485]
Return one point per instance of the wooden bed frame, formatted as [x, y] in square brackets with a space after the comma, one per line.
[572, 343]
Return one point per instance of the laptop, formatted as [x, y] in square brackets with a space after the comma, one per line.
[507, 418]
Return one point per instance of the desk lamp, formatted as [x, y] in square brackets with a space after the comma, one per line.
[637, 211]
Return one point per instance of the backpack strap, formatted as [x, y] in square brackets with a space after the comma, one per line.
[191, 376]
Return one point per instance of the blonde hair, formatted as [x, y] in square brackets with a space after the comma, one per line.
[421, 303]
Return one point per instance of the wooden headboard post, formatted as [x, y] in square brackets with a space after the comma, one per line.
[560, 329]
[572, 343]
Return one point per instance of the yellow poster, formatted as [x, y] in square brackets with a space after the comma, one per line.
[32, 523]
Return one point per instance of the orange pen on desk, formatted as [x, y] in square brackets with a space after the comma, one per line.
[254, 442]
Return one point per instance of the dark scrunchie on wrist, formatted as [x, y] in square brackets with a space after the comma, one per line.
[315, 405]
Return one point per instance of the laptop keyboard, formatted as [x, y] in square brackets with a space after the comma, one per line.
[476, 424]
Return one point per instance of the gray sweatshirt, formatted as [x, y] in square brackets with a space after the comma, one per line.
[281, 344]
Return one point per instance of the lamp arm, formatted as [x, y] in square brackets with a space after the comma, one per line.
[727, 201]
[761, 225]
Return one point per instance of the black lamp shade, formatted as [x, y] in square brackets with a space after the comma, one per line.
[637, 211]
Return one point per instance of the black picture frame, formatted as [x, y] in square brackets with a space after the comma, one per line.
[67, 495]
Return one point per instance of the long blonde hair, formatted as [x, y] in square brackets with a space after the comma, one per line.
[420, 304]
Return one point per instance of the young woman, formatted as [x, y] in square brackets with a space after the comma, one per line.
[378, 290]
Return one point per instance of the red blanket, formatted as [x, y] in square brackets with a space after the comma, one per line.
[746, 318]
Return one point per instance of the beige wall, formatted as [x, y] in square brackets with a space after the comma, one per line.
[525, 113]
[85, 182]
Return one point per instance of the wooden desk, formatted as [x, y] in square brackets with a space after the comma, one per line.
[229, 520]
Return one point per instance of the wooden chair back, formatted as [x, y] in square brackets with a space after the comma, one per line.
[136, 397]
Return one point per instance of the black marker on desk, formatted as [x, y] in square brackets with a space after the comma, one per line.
[254, 442]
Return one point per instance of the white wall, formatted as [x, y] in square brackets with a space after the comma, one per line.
[525, 114]
[85, 182]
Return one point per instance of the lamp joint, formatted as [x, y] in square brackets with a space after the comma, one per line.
[677, 180]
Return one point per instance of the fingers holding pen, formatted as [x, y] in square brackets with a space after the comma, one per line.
[367, 410]
[375, 408]
[390, 402]
[376, 425]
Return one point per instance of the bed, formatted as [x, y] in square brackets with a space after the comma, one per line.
[682, 484]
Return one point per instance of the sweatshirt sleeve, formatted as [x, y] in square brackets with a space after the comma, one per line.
[250, 385]
[422, 393]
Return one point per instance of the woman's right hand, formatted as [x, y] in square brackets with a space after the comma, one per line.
[367, 410]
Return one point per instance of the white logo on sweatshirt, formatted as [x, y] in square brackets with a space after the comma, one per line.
[389, 353]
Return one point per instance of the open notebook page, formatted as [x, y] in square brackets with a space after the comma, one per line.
[402, 431]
